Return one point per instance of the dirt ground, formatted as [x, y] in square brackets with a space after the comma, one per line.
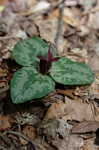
[68, 118]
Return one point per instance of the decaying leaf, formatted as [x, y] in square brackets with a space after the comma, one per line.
[54, 129]
[70, 110]
[86, 126]
[71, 142]
[30, 132]
[5, 122]
[90, 145]
[3, 72]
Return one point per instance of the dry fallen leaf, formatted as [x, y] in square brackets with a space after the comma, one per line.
[94, 61]
[53, 129]
[75, 143]
[71, 110]
[86, 126]
[90, 145]
[68, 17]
[94, 89]
[29, 28]
[36, 8]
[72, 142]
[31, 3]
[5, 122]
[48, 30]
[30, 131]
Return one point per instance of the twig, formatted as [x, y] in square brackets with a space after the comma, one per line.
[7, 37]
[22, 136]
[60, 22]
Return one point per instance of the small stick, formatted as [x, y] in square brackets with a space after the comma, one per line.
[60, 21]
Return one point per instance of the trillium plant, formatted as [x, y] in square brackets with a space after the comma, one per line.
[41, 69]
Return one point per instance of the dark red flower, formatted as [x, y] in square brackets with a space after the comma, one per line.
[46, 61]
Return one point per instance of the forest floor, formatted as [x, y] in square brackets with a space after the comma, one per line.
[67, 119]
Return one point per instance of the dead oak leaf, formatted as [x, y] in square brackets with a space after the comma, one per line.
[86, 126]
[5, 122]
[70, 110]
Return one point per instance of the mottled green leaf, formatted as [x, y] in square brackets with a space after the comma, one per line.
[68, 72]
[28, 84]
[25, 51]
